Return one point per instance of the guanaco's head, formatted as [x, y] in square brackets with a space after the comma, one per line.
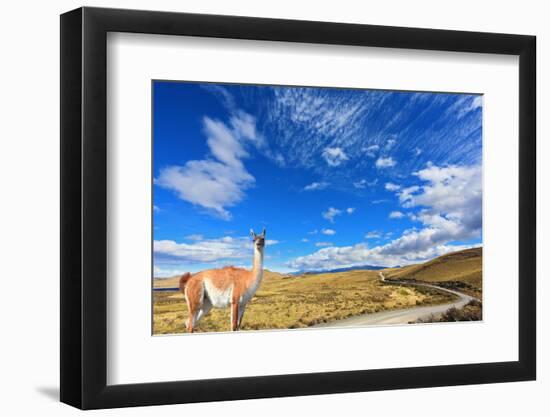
[259, 240]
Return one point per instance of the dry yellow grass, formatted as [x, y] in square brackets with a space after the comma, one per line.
[463, 268]
[296, 302]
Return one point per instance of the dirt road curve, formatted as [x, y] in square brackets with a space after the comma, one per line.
[402, 316]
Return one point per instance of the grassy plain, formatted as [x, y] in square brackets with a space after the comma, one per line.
[296, 302]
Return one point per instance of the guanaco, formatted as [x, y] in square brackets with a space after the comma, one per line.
[220, 288]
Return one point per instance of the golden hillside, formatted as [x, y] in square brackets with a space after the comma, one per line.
[464, 266]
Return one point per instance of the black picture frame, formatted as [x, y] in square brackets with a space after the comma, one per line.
[84, 207]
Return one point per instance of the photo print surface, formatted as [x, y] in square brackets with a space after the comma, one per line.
[284, 207]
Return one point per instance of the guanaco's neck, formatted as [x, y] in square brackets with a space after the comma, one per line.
[258, 263]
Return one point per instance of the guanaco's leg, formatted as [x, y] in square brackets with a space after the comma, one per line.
[190, 321]
[234, 316]
[241, 314]
[204, 310]
[194, 294]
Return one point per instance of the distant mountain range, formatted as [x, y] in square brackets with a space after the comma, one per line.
[351, 268]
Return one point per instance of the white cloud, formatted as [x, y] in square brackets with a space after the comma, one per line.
[450, 210]
[208, 250]
[390, 143]
[313, 232]
[385, 162]
[350, 210]
[371, 150]
[321, 244]
[305, 240]
[477, 102]
[452, 196]
[226, 248]
[160, 272]
[469, 104]
[214, 184]
[417, 151]
[244, 125]
[225, 96]
[364, 183]
[406, 194]
[331, 213]
[373, 235]
[314, 186]
[392, 187]
[156, 209]
[328, 232]
[466, 104]
[224, 142]
[360, 184]
[396, 215]
[361, 254]
[334, 156]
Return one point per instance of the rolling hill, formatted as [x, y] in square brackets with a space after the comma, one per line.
[462, 267]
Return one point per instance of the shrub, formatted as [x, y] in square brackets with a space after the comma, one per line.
[470, 312]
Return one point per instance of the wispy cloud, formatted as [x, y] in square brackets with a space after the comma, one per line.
[371, 150]
[363, 183]
[314, 186]
[392, 187]
[321, 244]
[202, 250]
[368, 124]
[390, 143]
[206, 251]
[385, 162]
[373, 235]
[216, 183]
[350, 210]
[331, 213]
[396, 215]
[225, 97]
[334, 156]
[161, 272]
[328, 232]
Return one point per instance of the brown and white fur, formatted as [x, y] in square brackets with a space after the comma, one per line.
[224, 287]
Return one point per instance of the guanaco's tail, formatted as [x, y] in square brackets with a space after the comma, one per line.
[183, 281]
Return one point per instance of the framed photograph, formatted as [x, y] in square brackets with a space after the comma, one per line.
[259, 208]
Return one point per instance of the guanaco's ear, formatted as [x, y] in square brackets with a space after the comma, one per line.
[263, 232]
[252, 233]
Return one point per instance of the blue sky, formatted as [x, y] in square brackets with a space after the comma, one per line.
[338, 177]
